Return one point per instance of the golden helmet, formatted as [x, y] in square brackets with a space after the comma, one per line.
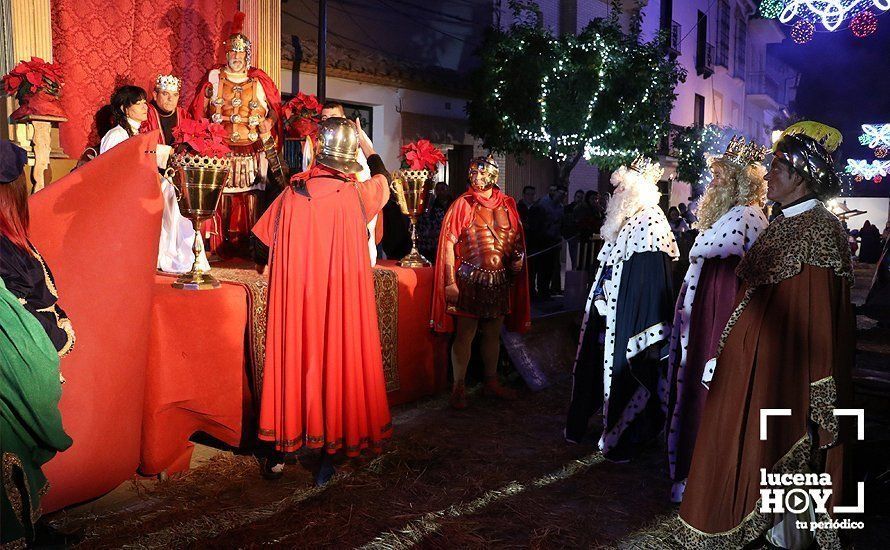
[486, 166]
[338, 138]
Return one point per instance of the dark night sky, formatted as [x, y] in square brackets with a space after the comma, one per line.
[845, 82]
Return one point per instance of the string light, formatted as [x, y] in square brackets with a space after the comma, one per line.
[875, 135]
[829, 13]
[802, 31]
[770, 9]
[867, 170]
[692, 146]
[561, 140]
[864, 24]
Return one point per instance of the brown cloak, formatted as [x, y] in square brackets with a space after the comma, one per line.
[789, 345]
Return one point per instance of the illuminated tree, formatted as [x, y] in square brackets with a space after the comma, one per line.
[602, 95]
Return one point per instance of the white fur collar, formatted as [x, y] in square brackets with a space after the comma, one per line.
[646, 231]
[731, 235]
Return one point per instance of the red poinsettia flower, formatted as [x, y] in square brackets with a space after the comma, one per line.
[302, 115]
[32, 77]
[11, 83]
[422, 155]
[202, 138]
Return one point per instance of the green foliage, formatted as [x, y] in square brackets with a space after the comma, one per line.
[601, 94]
[691, 146]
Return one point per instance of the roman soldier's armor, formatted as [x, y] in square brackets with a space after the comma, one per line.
[488, 253]
[238, 107]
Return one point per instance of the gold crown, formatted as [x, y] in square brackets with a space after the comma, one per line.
[650, 170]
[168, 83]
[744, 153]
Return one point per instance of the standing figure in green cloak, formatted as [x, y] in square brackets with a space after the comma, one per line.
[34, 334]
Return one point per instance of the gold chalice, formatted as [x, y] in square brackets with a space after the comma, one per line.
[199, 182]
[411, 189]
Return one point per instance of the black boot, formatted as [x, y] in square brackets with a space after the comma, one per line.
[47, 536]
[326, 469]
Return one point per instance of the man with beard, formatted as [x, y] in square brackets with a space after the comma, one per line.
[247, 103]
[730, 219]
[633, 292]
[788, 345]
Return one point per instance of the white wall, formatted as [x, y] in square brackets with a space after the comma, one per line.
[876, 211]
[387, 103]
[584, 177]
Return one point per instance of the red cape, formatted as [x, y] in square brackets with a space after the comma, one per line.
[153, 122]
[458, 218]
[273, 97]
[323, 382]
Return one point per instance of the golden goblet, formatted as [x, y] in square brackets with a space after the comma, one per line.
[199, 182]
[411, 188]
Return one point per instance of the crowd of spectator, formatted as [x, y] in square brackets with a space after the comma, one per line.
[867, 243]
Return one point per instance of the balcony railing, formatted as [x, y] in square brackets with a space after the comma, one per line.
[761, 83]
[676, 37]
[704, 62]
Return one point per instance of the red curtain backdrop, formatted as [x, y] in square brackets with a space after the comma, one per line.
[101, 45]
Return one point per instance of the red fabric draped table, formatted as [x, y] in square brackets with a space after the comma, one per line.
[201, 353]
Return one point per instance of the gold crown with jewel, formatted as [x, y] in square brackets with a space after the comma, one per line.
[652, 171]
[168, 83]
[743, 153]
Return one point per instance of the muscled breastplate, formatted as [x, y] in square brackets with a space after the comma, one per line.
[238, 108]
[490, 240]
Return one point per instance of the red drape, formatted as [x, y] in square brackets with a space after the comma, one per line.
[98, 230]
[101, 45]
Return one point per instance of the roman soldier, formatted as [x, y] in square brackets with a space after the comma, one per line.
[323, 385]
[246, 102]
[633, 292]
[481, 276]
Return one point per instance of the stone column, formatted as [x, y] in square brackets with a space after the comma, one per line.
[263, 26]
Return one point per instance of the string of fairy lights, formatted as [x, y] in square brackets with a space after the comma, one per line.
[593, 147]
[692, 147]
[860, 16]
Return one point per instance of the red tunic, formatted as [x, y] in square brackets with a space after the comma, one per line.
[323, 374]
[457, 219]
[153, 122]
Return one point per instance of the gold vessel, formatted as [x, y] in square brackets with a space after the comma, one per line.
[199, 182]
[411, 188]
